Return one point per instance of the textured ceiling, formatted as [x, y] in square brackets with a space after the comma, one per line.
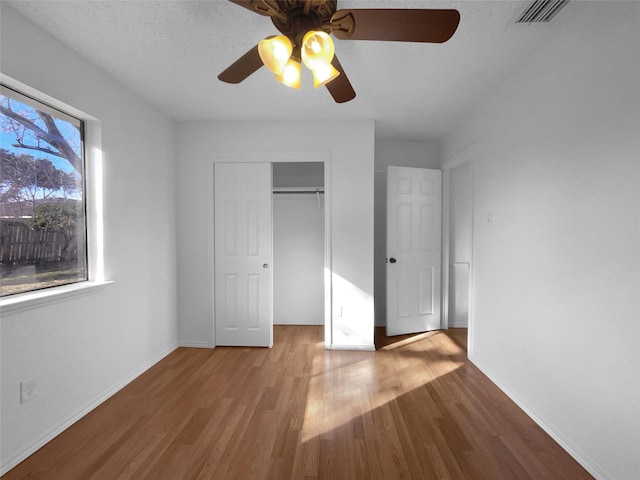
[170, 52]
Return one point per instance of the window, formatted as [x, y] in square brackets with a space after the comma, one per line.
[43, 240]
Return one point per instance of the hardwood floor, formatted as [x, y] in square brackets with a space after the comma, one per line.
[415, 408]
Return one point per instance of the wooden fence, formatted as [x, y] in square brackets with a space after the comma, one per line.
[20, 244]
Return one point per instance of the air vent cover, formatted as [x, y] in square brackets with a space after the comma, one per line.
[541, 11]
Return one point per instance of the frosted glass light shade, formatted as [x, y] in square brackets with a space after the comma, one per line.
[317, 49]
[291, 74]
[324, 74]
[275, 52]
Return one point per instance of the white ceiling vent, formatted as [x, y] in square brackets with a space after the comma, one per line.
[541, 11]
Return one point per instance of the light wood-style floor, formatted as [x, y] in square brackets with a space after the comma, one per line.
[414, 409]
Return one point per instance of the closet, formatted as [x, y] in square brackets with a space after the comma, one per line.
[298, 243]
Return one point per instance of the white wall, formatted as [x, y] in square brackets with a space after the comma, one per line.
[351, 148]
[401, 154]
[298, 259]
[84, 348]
[557, 278]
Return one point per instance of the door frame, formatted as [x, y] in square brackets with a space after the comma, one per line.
[466, 156]
[323, 157]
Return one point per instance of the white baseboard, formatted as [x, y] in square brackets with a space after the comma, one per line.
[303, 324]
[195, 345]
[458, 325]
[31, 448]
[565, 443]
[366, 348]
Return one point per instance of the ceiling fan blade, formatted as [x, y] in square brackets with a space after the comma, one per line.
[399, 25]
[243, 67]
[340, 87]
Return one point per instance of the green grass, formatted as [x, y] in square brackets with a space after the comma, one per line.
[25, 278]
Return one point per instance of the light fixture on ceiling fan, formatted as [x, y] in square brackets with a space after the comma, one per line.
[306, 27]
[316, 51]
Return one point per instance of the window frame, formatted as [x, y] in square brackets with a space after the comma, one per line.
[93, 208]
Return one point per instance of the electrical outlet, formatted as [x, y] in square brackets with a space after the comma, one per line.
[28, 390]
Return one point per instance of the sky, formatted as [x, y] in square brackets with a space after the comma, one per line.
[68, 130]
[7, 139]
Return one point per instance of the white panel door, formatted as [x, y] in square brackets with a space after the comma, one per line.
[413, 249]
[243, 305]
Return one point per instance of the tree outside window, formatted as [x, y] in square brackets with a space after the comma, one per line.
[42, 209]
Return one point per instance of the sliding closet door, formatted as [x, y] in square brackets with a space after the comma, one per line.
[243, 309]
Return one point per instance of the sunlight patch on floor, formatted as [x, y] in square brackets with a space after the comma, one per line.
[346, 385]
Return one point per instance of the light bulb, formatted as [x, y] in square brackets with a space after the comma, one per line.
[280, 52]
[317, 49]
[291, 74]
[324, 74]
[274, 52]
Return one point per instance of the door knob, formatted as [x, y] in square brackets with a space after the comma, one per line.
[265, 265]
[392, 260]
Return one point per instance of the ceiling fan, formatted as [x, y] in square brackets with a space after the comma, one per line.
[306, 26]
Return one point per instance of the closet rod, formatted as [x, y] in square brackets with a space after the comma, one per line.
[317, 190]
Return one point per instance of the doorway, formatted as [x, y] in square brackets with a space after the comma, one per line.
[229, 327]
[458, 243]
[298, 243]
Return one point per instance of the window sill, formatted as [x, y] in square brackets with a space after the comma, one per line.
[28, 301]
